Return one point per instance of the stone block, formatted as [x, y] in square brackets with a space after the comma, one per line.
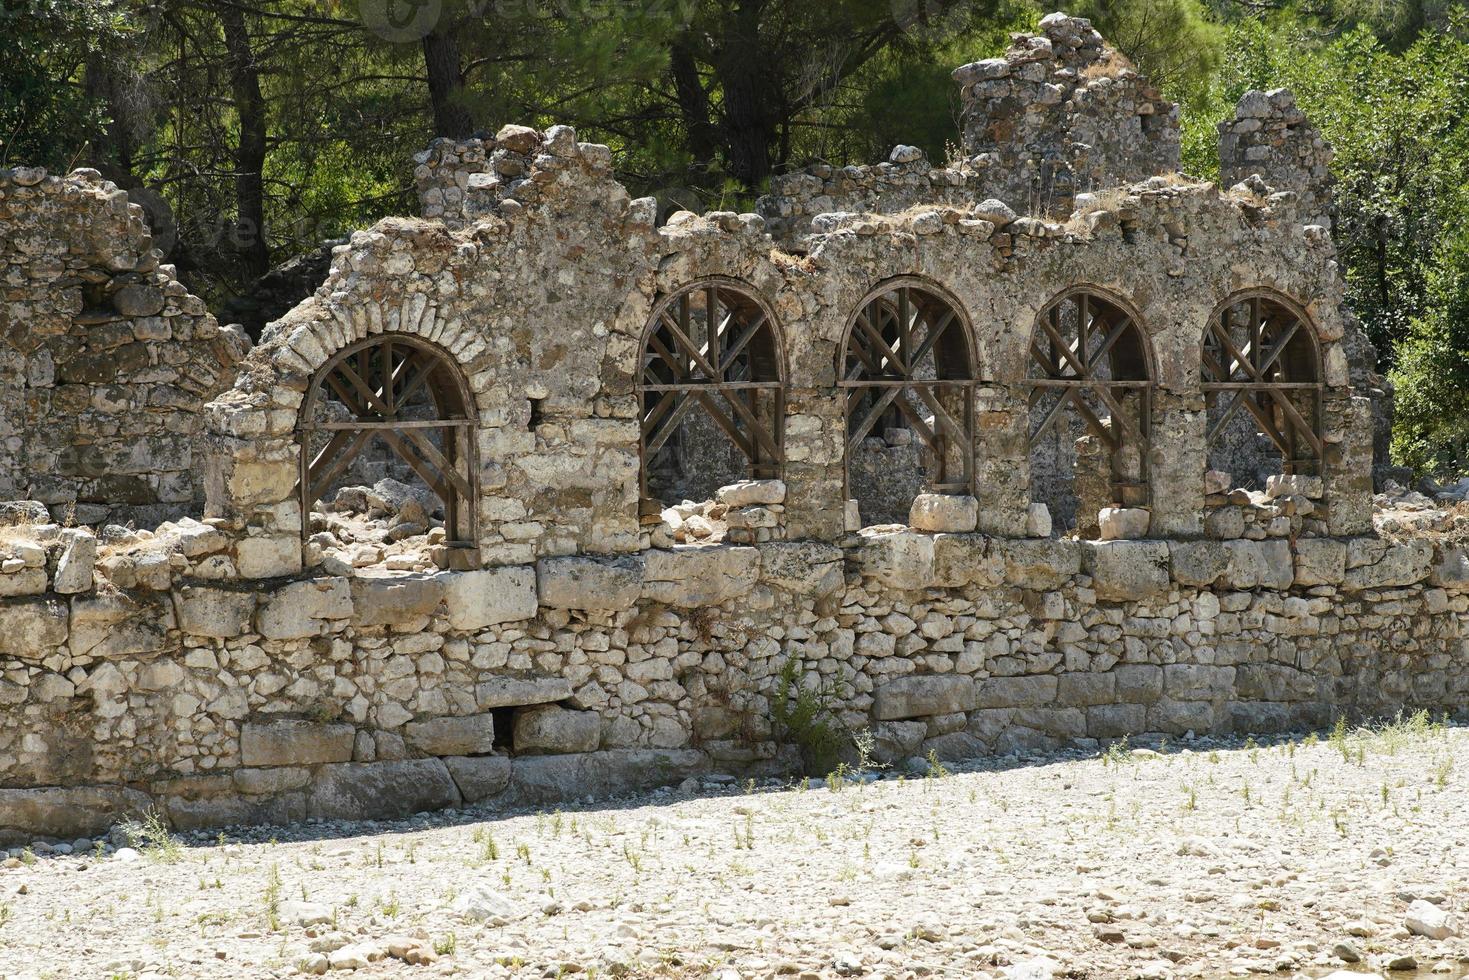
[1198, 563]
[1259, 564]
[894, 741]
[31, 629]
[452, 735]
[1139, 682]
[965, 559]
[1451, 570]
[1124, 523]
[381, 790]
[901, 560]
[1197, 682]
[1375, 564]
[916, 696]
[273, 556]
[513, 692]
[268, 782]
[954, 747]
[1042, 565]
[385, 600]
[490, 596]
[302, 609]
[66, 813]
[1178, 717]
[1123, 570]
[1082, 689]
[1115, 720]
[699, 575]
[1033, 691]
[589, 583]
[943, 512]
[1037, 521]
[1320, 561]
[295, 742]
[752, 492]
[78, 558]
[208, 611]
[554, 730]
[808, 568]
[481, 777]
[115, 625]
[1294, 485]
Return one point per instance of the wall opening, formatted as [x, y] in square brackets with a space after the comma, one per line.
[711, 390]
[908, 376]
[1261, 375]
[1090, 376]
[388, 472]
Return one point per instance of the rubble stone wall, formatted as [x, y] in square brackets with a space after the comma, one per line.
[374, 696]
[106, 361]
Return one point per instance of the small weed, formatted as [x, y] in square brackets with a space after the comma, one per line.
[446, 944]
[273, 899]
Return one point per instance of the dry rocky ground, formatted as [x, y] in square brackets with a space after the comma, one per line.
[1296, 857]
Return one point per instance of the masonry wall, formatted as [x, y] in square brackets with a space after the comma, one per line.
[106, 361]
[377, 696]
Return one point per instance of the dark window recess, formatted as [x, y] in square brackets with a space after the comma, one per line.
[504, 722]
[537, 413]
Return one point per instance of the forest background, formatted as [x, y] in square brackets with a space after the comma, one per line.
[262, 129]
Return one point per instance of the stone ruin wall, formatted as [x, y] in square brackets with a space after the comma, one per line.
[210, 669]
[106, 361]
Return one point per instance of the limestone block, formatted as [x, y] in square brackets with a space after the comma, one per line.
[452, 735]
[1123, 523]
[1141, 683]
[699, 575]
[894, 741]
[1115, 720]
[384, 599]
[1197, 682]
[33, 629]
[1294, 485]
[267, 782]
[588, 583]
[261, 482]
[117, 624]
[490, 596]
[1198, 563]
[295, 742]
[1178, 717]
[1224, 523]
[1033, 691]
[1037, 521]
[1126, 569]
[551, 729]
[481, 777]
[1451, 570]
[900, 560]
[66, 813]
[22, 581]
[1086, 688]
[302, 609]
[916, 696]
[508, 692]
[810, 568]
[1320, 561]
[1040, 564]
[1259, 564]
[1375, 564]
[965, 559]
[381, 790]
[624, 771]
[74, 567]
[748, 492]
[935, 512]
[214, 612]
[1216, 481]
[271, 556]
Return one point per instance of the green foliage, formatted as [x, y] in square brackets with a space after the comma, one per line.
[47, 112]
[1174, 42]
[803, 715]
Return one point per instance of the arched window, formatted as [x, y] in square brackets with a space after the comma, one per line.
[908, 371]
[394, 407]
[713, 347]
[1261, 375]
[1091, 379]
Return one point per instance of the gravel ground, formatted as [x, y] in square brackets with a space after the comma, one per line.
[1202, 859]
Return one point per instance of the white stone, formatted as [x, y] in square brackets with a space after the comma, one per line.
[1426, 919]
[748, 492]
[1037, 521]
[943, 512]
[1124, 523]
